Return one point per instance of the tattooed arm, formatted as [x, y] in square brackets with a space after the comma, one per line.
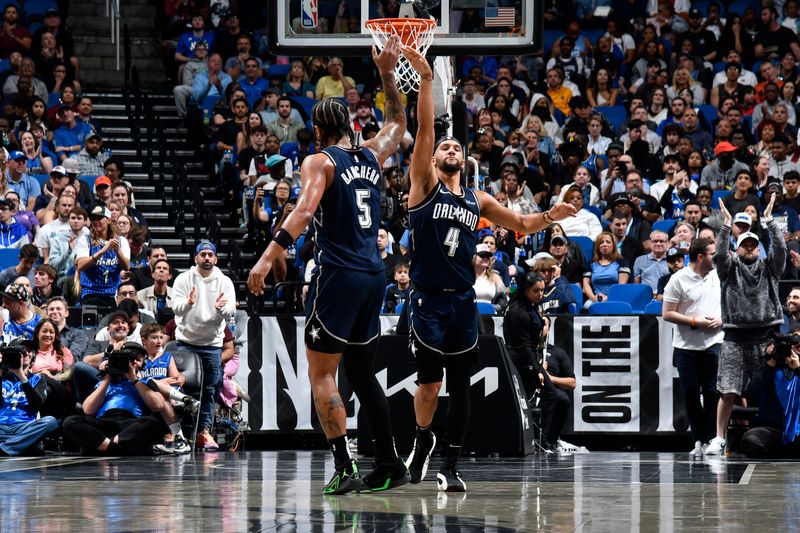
[385, 143]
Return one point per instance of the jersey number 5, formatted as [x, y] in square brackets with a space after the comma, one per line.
[365, 217]
[451, 241]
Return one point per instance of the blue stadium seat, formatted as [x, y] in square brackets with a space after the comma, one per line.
[8, 257]
[718, 197]
[550, 37]
[5, 65]
[634, 294]
[41, 178]
[578, 293]
[39, 7]
[53, 99]
[610, 308]
[653, 308]
[594, 34]
[278, 71]
[209, 102]
[306, 103]
[664, 225]
[89, 181]
[615, 114]
[484, 308]
[709, 112]
[587, 246]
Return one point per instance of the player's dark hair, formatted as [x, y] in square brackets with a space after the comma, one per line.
[331, 116]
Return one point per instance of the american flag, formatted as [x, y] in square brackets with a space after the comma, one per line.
[499, 16]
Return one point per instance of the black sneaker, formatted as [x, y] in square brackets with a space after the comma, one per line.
[191, 404]
[345, 479]
[386, 476]
[449, 480]
[420, 456]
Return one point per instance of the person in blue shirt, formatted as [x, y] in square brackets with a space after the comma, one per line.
[12, 234]
[70, 138]
[607, 268]
[213, 82]
[775, 390]
[397, 292]
[27, 187]
[184, 51]
[160, 368]
[22, 398]
[251, 83]
[117, 417]
[21, 320]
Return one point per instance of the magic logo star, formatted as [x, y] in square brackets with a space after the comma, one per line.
[314, 333]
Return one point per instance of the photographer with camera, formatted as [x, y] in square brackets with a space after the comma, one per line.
[775, 391]
[23, 396]
[84, 372]
[115, 420]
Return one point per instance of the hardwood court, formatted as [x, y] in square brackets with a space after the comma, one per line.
[281, 491]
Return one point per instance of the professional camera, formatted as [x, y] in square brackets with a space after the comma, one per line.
[119, 363]
[782, 346]
[12, 357]
[441, 125]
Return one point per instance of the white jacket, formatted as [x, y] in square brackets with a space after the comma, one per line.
[201, 324]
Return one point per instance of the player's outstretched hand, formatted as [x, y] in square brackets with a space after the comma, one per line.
[259, 272]
[562, 210]
[418, 62]
[387, 59]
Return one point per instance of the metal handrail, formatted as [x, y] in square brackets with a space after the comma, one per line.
[113, 13]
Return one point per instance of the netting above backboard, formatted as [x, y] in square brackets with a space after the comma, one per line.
[338, 27]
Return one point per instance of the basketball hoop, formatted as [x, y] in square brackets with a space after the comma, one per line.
[414, 32]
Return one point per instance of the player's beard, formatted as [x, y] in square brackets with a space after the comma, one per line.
[450, 167]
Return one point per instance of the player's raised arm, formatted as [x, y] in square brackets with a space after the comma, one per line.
[385, 143]
[502, 216]
[422, 172]
[315, 173]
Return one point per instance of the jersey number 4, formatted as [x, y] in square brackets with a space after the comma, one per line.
[451, 241]
[365, 217]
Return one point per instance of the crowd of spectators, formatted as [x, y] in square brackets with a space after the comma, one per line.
[644, 123]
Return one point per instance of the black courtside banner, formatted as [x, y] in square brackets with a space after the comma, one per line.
[623, 364]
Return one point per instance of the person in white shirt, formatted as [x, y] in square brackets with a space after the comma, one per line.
[692, 302]
[60, 226]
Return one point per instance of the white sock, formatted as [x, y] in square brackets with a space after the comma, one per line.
[175, 394]
[175, 429]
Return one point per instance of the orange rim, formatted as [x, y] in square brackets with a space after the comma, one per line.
[405, 28]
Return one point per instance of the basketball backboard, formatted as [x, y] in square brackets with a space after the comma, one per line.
[464, 27]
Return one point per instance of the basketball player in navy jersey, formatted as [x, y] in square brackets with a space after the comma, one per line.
[341, 193]
[443, 217]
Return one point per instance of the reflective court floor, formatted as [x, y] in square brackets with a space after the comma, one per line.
[281, 491]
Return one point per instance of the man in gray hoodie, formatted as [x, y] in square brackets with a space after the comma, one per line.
[751, 311]
[204, 299]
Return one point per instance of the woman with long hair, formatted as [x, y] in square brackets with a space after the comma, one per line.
[242, 138]
[568, 254]
[600, 91]
[765, 133]
[545, 143]
[761, 171]
[734, 36]
[52, 359]
[100, 257]
[296, 83]
[657, 110]
[606, 269]
[513, 106]
[584, 223]
[695, 164]
[488, 285]
[54, 362]
[681, 81]
[597, 143]
[37, 163]
[524, 326]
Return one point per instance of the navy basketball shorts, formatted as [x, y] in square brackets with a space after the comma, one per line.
[443, 324]
[343, 308]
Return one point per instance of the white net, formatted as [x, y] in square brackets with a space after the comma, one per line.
[412, 32]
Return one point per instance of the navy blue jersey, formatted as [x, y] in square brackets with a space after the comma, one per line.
[443, 240]
[347, 218]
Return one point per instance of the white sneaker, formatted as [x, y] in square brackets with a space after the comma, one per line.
[716, 446]
[698, 449]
